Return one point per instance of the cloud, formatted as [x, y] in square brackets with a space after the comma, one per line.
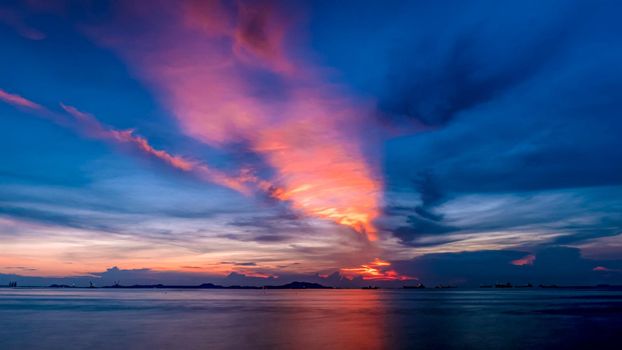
[526, 260]
[519, 138]
[89, 126]
[377, 270]
[308, 131]
[261, 32]
[422, 219]
[250, 263]
[19, 101]
[434, 80]
[507, 220]
[15, 20]
[554, 265]
[550, 265]
[499, 123]
[507, 117]
[93, 128]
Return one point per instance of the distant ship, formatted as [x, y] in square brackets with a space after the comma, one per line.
[370, 287]
[418, 286]
[506, 285]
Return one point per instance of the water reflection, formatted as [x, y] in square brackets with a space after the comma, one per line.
[346, 320]
[315, 319]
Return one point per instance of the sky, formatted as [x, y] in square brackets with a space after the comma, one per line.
[346, 143]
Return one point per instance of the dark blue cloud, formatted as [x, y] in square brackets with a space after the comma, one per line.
[552, 265]
[536, 111]
[518, 99]
[422, 219]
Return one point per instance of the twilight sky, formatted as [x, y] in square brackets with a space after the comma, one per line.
[259, 142]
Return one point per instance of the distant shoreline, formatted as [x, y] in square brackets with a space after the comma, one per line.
[308, 285]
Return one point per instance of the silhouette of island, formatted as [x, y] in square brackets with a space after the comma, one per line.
[370, 287]
[310, 285]
[159, 285]
[292, 285]
[299, 285]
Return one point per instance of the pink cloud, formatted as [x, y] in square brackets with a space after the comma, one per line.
[93, 128]
[19, 101]
[90, 126]
[604, 269]
[204, 64]
[14, 20]
[87, 125]
[527, 260]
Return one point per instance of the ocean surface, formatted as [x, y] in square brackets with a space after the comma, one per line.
[309, 319]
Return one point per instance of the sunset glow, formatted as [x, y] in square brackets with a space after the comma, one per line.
[308, 135]
[260, 142]
[377, 270]
[310, 174]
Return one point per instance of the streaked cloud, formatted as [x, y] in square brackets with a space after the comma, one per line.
[226, 74]
[89, 126]
[14, 19]
[19, 101]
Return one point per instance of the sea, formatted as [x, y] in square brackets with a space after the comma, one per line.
[41, 318]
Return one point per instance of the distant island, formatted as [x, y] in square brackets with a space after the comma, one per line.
[292, 285]
[311, 285]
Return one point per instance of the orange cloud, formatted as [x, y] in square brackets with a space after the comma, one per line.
[377, 270]
[226, 75]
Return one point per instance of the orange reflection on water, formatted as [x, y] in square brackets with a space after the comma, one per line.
[331, 319]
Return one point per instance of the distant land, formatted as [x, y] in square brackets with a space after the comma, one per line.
[311, 285]
[292, 285]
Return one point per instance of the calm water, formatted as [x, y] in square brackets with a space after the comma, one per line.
[309, 319]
